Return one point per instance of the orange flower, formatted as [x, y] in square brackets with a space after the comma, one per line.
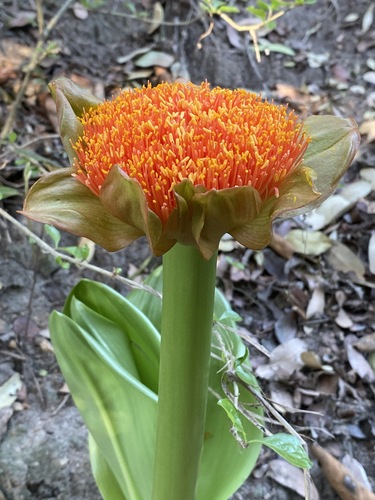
[215, 138]
[181, 163]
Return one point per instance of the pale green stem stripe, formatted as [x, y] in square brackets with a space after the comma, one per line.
[188, 300]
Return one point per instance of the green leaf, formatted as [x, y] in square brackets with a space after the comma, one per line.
[102, 472]
[79, 252]
[231, 315]
[276, 47]
[288, 447]
[118, 409]
[234, 416]
[258, 12]
[103, 301]
[53, 233]
[6, 192]
[228, 9]
[12, 137]
[148, 303]
[246, 376]
[62, 263]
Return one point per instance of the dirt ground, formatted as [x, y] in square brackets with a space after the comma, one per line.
[286, 294]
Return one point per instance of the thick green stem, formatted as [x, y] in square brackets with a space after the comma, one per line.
[188, 299]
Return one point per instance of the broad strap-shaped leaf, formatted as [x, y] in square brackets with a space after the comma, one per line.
[98, 299]
[104, 477]
[119, 411]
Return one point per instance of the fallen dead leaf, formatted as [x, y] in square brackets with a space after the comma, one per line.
[368, 18]
[366, 343]
[291, 477]
[359, 363]
[338, 204]
[368, 174]
[317, 302]
[12, 56]
[157, 17]
[340, 478]
[368, 128]
[284, 360]
[80, 11]
[154, 58]
[8, 391]
[311, 360]
[64, 389]
[357, 469]
[286, 327]
[22, 18]
[369, 77]
[281, 246]
[341, 258]
[343, 320]
[308, 243]
[281, 399]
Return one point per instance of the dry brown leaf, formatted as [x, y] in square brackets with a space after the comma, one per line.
[343, 320]
[317, 303]
[308, 243]
[286, 327]
[12, 56]
[157, 17]
[366, 343]
[359, 364]
[281, 399]
[368, 128]
[80, 11]
[340, 478]
[327, 384]
[341, 258]
[311, 360]
[292, 94]
[368, 174]
[281, 246]
[357, 469]
[338, 204]
[291, 477]
[284, 360]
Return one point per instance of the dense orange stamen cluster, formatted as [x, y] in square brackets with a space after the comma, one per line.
[216, 138]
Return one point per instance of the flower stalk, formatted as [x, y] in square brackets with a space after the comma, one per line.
[188, 300]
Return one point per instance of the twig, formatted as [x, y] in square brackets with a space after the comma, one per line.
[32, 141]
[37, 56]
[79, 263]
[250, 28]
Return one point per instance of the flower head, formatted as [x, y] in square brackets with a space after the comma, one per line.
[216, 139]
[187, 163]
